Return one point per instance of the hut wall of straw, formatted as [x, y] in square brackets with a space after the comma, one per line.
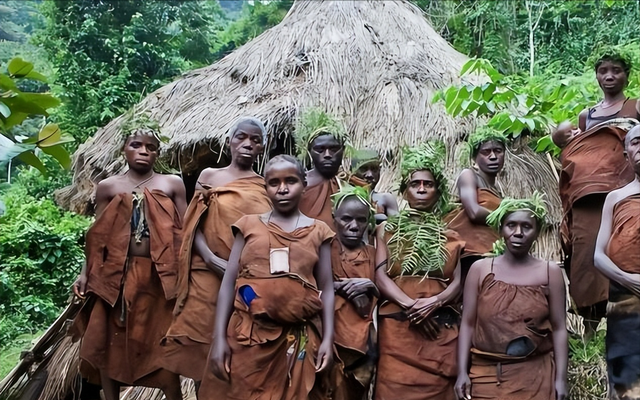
[375, 64]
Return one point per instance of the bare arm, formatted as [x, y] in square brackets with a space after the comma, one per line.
[388, 289]
[179, 195]
[215, 263]
[324, 277]
[468, 192]
[390, 204]
[557, 303]
[220, 354]
[452, 292]
[467, 326]
[601, 260]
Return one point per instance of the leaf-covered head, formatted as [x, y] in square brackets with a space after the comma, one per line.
[616, 54]
[314, 123]
[536, 205]
[353, 214]
[427, 157]
[365, 165]
[483, 135]
[141, 125]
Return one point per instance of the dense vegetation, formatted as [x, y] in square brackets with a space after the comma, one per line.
[100, 58]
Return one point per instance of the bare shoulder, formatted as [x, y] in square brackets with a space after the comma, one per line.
[481, 267]
[109, 185]
[467, 177]
[209, 176]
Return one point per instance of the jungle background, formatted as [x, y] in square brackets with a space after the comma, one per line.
[96, 59]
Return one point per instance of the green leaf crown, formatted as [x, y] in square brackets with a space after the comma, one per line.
[360, 193]
[141, 124]
[483, 135]
[315, 122]
[535, 204]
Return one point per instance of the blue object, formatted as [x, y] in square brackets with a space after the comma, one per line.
[247, 294]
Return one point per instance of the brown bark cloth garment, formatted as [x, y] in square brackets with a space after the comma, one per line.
[353, 333]
[133, 297]
[478, 238]
[274, 331]
[512, 344]
[593, 164]
[623, 310]
[412, 367]
[214, 211]
[316, 201]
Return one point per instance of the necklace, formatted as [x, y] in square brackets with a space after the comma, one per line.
[153, 173]
[603, 107]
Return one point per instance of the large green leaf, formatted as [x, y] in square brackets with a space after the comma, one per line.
[7, 153]
[7, 83]
[43, 100]
[60, 154]
[19, 68]
[29, 158]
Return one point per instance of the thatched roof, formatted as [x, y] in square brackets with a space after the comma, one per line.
[376, 64]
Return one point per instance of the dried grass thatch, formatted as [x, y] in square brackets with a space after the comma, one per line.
[376, 64]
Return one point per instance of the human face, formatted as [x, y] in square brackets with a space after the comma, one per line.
[519, 230]
[326, 154]
[490, 158]
[351, 220]
[284, 186]
[369, 172]
[246, 145]
[141, 152]
[632, 149]
[611, 77]
[422, 191]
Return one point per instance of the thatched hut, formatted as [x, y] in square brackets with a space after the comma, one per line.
[376, 64]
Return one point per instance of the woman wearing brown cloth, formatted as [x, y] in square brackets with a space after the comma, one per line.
[593, 165]
[420, 287]
[353, 264]
[222, 197]
[131, 269]
[479, 195]
[268, 339]
[618, 257]
[513, 319]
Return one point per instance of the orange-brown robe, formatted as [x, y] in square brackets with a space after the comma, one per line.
[623, 310]
[316, 201]
[188, 340]
[412, 367]
[593, 164]
[353, 332]
[275, 338]
[133, 297]
[511, 354]
[478, 238]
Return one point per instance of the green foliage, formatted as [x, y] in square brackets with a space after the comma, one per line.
[535, 204]
[41, 252]
[315, 122]
[16, 107]
[109, 53]
[418, 242]
[428, 156]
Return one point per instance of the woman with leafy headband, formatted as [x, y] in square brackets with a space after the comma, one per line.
[320, 138]
[513, 319]
[419, 285]
[479, 194]
[593, 165]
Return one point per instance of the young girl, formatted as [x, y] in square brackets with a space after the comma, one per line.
[513, 320]
[267, 341]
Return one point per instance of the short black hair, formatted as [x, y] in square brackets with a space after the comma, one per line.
[290, 159]
[616, 59]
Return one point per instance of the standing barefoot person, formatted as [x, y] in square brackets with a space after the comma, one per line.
[353, 264]
[593, 165]
[322, 138]
[365, 172]
[618, 258]
[267, 341]
[418, 320]
[479, 194]
[223, 196]
[513, 319]
[131, 269]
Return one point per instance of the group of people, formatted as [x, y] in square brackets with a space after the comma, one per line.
[309, 284]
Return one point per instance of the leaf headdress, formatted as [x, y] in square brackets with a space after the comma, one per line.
[357, 192]
[483, 135]
[535, 204]
[363, 157]
[618, 53]
[141, 124]
[315, 122]
[428, 156]
[418, 242]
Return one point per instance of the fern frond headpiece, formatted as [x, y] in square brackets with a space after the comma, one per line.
[483, 135]
[418, 242]
[428, 156]
[363, 157]
[360, 193]
[535, 204]
[621, 54]
[314, 122]
[141, 124]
